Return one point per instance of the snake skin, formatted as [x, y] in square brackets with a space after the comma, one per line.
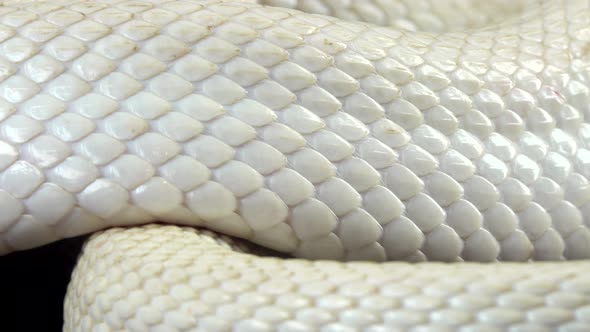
[413, 15]
[306, 134]
[173, 279]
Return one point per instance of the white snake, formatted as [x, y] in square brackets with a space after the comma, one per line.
[321, 138]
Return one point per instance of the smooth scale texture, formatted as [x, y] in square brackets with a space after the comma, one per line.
[306, 134]
[165, 278]
[310, 135]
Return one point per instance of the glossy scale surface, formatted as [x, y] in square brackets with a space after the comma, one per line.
[307, 134]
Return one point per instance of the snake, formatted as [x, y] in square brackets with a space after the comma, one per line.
[303, 165]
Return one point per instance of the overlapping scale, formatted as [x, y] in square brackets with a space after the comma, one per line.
[307, 134]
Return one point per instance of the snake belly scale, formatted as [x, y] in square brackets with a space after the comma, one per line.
[319, 137]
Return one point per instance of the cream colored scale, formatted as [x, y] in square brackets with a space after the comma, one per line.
[312, 136]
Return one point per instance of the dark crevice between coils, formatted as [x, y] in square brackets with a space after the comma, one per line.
[33, 285]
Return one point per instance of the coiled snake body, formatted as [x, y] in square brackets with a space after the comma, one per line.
[321, 138]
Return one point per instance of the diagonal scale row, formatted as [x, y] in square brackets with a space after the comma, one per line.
[302, 133]
[163, 277]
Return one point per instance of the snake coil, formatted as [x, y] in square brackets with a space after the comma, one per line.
[370, 131]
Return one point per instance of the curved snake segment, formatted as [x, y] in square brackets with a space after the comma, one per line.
[168, 278]
[433, 16]
[309, 135]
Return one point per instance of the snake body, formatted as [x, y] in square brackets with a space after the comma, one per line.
[319, 137]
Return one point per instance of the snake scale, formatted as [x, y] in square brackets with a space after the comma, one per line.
[348, 134]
